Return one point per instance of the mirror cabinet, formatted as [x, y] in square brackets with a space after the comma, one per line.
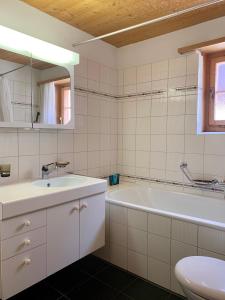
[35, 93]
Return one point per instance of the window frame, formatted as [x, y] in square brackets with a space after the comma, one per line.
[209, 76]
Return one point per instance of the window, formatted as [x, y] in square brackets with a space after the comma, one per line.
[59, 109]
[214, 92]
[66, 105]
[63, 101]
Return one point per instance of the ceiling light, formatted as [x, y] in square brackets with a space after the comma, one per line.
[21, 43]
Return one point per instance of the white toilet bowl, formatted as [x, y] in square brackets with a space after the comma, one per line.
[201, 277]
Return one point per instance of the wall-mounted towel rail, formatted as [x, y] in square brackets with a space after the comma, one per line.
[188, 88]
[24, 104]
[1, 75]
[150, 93]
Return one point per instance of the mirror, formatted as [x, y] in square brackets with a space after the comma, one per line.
[35, 82]
[34, 93]
[15, 89]
[51, 90]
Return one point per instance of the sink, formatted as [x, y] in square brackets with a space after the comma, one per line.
[66, 181]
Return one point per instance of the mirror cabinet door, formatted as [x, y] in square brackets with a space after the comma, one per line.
[15, 90]
[51, 95]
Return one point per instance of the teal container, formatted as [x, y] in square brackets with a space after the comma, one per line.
[114, 179]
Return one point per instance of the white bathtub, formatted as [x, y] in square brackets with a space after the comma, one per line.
[193, 208]
[149, 230]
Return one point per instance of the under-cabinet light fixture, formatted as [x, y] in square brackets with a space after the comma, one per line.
[24, 44]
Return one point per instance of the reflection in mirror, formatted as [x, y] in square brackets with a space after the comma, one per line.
[51, 94]
[15, 87]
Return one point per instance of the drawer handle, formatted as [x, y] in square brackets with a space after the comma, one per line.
[27, 261]
[27, 222]
[84, 205]
[27, 242]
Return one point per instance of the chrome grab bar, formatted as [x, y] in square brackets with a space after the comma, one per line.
[198, 182]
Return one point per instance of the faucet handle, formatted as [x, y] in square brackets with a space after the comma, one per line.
[61, 164]
[44, 168]
[5, 170]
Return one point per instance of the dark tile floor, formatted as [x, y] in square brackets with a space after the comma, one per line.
[93, 278]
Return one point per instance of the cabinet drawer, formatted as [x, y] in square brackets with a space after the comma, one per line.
[23, 223]
[23, 242]
[22, 271]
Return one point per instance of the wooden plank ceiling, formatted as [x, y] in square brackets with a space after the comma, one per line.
[103, 16]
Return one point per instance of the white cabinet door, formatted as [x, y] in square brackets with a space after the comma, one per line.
[92, 224]
[62, 236]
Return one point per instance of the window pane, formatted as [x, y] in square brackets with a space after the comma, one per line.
[219, 109]
[67, 115]
[66, 97]
[66, 105]
[220, 77]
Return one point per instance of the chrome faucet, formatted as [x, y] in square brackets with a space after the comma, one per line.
[49, 168]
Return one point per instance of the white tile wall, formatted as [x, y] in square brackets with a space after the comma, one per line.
[91, 148]
[167, 122]
[159, 272]
[159, 225]
[184, 232]
[137, 219]
[137, 240]
[212, 239]
[150, 245]
[138, 264]
[159, 248]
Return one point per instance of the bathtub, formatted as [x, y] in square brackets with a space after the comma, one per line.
[193, 208]
[149, 230]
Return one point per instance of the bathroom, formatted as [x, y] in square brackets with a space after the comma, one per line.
[136, 110]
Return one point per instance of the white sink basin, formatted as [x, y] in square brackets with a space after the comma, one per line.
[66, 181]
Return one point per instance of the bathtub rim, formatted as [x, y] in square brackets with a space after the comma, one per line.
[187, 218]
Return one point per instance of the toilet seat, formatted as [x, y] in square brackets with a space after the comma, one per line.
[204, 276]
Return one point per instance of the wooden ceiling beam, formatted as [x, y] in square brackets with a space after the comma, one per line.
[206, 46]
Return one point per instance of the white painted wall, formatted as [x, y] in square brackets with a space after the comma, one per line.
[24, 18]
[165, 46]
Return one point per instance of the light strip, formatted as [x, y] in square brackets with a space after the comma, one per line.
[21, 43]
[178, 13]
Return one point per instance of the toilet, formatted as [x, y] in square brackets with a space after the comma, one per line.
[201, 277]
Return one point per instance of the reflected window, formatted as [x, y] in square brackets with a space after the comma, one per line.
[63, 104]
[66, 103]
[54, 101]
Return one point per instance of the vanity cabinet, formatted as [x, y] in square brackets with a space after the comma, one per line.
[62, 236]
[38, 244]
[92, 224]
[74, 230]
